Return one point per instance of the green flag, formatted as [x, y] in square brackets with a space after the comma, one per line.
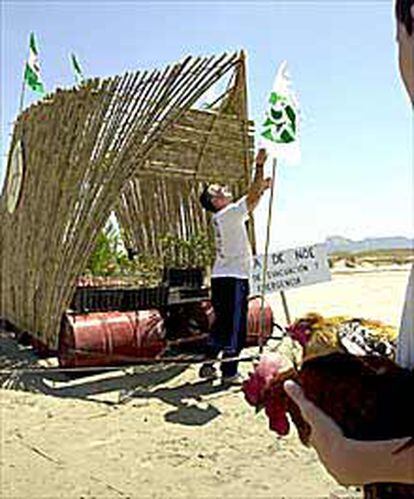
[77, 70]
[280, 128]
[32, 70]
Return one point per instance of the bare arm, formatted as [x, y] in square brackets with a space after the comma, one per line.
[353, 462]
[259, 184]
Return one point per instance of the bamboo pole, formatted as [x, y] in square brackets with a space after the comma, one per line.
[265, 258]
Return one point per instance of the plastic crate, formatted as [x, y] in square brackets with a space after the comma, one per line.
[186, 278]
[92, 299]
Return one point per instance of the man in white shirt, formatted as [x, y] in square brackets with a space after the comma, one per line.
[231, 270]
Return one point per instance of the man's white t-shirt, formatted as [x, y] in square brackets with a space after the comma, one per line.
[233, 252]
[405, 347]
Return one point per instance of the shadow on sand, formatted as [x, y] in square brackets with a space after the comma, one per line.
[191, 400]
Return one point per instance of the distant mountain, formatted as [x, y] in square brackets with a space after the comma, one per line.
[337, 244]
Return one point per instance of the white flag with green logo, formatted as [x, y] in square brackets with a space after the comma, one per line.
[280, 130]
[77, 70]
[32, 70]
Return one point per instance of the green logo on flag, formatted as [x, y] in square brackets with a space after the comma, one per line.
[280, 124]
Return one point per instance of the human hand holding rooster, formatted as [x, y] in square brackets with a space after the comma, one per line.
[353, 462]
[365, 442]
[326, 436]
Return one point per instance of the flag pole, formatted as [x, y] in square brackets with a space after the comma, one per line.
[23, 88]
[265, 260]
[266, 254]
[285, 308]
[22, 93]
[279, 127]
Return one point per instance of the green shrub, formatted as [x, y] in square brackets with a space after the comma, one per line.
[109, 258]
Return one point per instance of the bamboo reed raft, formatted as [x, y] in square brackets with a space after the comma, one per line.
[82, 147]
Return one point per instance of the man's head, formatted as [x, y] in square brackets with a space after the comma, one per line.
[404, 10]
[215, 197]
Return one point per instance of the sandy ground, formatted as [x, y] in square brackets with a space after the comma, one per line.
[160, 433]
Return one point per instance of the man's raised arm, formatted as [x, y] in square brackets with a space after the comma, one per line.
[259, 184]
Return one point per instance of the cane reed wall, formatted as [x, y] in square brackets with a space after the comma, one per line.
[131, 143]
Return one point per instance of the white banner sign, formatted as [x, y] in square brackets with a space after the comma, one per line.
[290, 268]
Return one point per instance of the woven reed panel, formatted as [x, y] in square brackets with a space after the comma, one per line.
[82, 146]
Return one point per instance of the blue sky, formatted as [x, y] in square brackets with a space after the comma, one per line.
[355, 178]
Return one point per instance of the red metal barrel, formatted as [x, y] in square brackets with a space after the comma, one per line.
[254, 321]
[189, 319]
[110, 338]
[188, 325]
[192, 320]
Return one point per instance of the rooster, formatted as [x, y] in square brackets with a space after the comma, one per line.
[320, 336]
[367, 396]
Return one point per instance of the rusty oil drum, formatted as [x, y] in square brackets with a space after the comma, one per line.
[189, 320]
[110, 338]
[188, 325]
[254, 320]
[193, 320]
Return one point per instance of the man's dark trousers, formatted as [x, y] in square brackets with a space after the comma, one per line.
[229, 296]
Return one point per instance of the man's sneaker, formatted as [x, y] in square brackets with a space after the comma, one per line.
[208, 371]
[235, 380]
